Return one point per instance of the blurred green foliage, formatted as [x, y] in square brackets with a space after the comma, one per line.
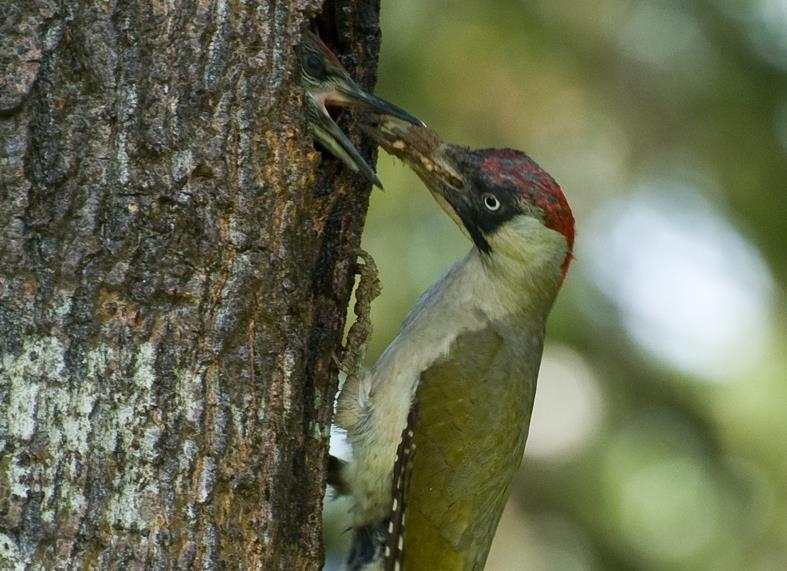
[659, 439]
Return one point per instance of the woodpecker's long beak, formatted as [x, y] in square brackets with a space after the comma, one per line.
[425, 153]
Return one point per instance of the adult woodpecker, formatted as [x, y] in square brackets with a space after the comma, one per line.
[438, 425]
[326, 82]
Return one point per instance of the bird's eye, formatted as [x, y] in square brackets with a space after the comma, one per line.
[491, 202]
[313, 66]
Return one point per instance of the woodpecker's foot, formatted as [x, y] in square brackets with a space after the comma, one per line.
[350, 357]
[335, 476]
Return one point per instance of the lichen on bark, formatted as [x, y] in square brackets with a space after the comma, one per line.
[175, 264]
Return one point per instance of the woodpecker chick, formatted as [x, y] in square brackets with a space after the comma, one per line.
[326, 82]
[438, 425]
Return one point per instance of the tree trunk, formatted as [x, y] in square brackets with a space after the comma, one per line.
[175, 267]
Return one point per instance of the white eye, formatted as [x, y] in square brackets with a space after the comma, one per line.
[491, 202]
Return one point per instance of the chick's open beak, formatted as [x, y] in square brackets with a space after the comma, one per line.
[327, 83]
[349, 94]
[325, 130]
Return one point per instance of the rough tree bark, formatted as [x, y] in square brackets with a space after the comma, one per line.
[175, 267]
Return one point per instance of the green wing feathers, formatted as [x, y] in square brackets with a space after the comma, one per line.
[473, 412]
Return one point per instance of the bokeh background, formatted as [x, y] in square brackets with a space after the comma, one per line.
[659, 436]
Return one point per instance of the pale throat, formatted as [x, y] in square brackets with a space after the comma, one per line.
[526, 264]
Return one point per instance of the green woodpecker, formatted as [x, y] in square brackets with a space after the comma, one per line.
[326, 82]
[438, 425]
